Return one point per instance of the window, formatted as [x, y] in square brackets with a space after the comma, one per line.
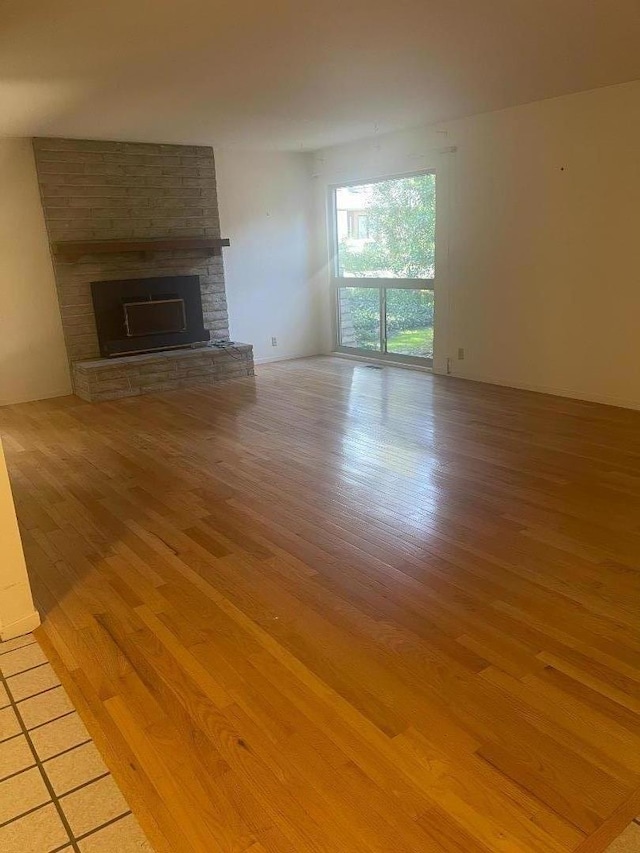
[384, 266]
[357, 225]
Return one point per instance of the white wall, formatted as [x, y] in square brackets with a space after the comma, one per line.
[542, 288]
[33, 362]
[265, 203]
[17, 613]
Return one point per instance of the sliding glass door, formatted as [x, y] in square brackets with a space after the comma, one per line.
[389, 320]
[384, 267]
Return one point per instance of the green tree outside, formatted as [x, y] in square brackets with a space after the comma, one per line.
[401, 217]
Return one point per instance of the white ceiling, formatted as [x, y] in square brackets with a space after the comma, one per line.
[292, 74]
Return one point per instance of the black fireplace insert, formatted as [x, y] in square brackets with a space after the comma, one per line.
[148, 314]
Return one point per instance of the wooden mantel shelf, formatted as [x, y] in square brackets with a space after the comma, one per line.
[73, 250]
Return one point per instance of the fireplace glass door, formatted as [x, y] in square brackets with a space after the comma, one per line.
[154, 317]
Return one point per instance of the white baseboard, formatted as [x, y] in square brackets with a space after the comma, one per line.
[571, 393]
[383, 362]
[22, 626]
[555, 392]
[270, 360]
[49, 394]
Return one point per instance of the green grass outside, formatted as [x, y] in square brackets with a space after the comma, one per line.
[412, 342]
[416, 342]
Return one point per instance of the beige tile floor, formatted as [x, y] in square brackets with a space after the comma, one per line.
[56, 793]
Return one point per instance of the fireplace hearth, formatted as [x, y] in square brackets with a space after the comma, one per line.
[148, 314]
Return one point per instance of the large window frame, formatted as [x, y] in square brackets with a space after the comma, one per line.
[381, 284]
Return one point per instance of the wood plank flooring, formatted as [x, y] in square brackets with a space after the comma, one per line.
[343, 609]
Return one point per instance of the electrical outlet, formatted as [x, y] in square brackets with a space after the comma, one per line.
[460, 353]
[274, 342]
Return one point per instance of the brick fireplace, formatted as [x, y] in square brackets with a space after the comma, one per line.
[123, 197]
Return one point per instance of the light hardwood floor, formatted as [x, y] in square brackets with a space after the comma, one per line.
[344, 609]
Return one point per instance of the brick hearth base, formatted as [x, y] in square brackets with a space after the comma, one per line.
[129, 376]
